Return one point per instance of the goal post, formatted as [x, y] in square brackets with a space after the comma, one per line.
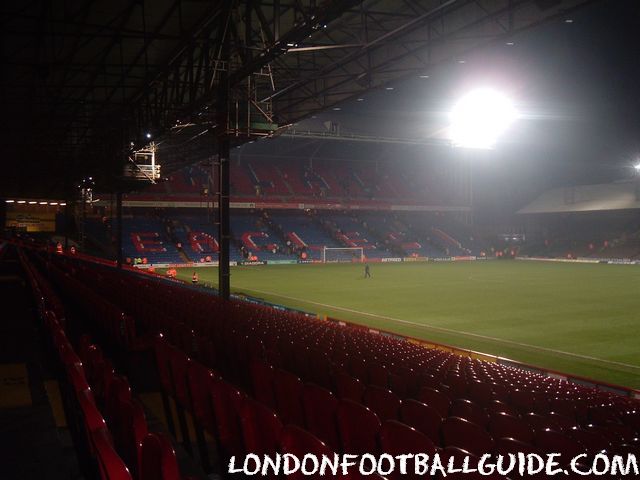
[342, 254]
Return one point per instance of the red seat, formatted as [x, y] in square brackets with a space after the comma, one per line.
[110, 465]
[288, 396]
[435, 399]
[199, 381]
[117, 391]
[384, 403]
[590, 440]
[299, 442]
[616, 433]
[603, 414]
[481, 393]
[463, 434]
[162, 362]
[555, 442]
[158, 459]
[469, 410]
[563, 406]
[398, 439]
[497, 406]
[541, 422]
[524, 401]
[319, 410]
[507, 445]
[502, 425]
[262, 382]
[260, 428]
[422, 417]
[179, 364]
[227, 402]
[319, 371]
[457, 386]
[130, 432]
[358, 368]
[348, 387]
[358, 427]
[378, 375]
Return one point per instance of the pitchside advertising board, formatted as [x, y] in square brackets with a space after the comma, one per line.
[249, 263]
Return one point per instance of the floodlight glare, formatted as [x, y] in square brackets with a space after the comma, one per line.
[637, 167]
[479, 118]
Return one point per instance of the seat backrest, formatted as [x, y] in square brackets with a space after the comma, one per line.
[378, 375]
[118, 391]
[590, 440]
[504, 425]
[158, 459]
[398, 439]
[358, 427]
[262, 382]
[551, 441]
[435, 399]
[179, 364]
[162, 362]
[299, 442]
[523, 400]
[227, 402]
[461, 433]
[422, 417]
[260, 428]
[110, 465]
[383, 402]
[469, 410]
[288, 396]
[130, 431]
[348, 387]
[320, 406]
[199, 379]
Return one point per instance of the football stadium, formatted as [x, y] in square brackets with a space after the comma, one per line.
[297, 239]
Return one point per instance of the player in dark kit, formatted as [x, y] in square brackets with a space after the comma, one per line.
[367, 273]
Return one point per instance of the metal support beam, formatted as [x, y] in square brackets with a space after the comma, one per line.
[222, 137]
[119, 228]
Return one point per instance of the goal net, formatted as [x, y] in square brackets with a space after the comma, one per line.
[346, 254]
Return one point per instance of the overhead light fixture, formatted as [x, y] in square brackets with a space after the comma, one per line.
[510, 44]
[462, 61]
[388, 88]
[568, 20]
[32, 202]
[637, 167]
[22, 201]
[360, 99]
[63, 204]
[148, 135]
[424, 76]
[53, 203]
[337, 109]
[10, 201]
[43, 203]
[480, 117]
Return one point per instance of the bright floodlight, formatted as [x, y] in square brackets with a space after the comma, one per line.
[480, 117]
[637, 167]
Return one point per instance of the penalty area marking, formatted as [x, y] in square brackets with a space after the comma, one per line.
[449, 330]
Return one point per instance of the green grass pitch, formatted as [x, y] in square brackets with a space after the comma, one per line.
[582, 319]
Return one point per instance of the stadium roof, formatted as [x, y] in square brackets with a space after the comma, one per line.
[84, 78]
[587, 198]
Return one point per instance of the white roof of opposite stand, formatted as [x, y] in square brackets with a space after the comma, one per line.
[587, 198]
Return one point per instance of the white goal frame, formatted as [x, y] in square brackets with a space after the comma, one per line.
[344, 249]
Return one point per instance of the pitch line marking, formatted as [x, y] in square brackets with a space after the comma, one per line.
[448, 330]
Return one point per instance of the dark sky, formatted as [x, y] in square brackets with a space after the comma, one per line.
[577, 86]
